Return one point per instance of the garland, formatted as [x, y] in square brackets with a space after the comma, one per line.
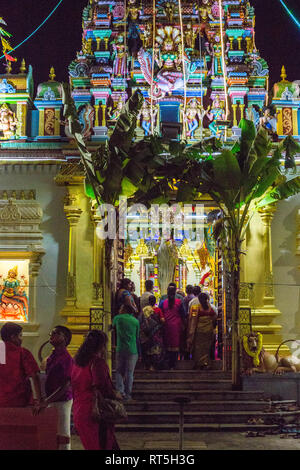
[255, 354]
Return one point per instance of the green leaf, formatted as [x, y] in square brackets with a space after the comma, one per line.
[128, 188]
[227, 173]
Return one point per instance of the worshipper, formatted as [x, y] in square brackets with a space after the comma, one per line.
[151, 335]
[144, 299]
[195, 300]
[189, 296]
[173, 311]
[135, 298]
[58, 383]
[90, 375]
[124, 296]
[200, 334]
[19, 375]
[164, 297]
[127, 353]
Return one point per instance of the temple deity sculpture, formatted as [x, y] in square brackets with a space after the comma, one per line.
[145, 116]
[168, 75]
[8, 122]
[134, 32]
[114, 112]
[193, 117]
[205, 11]
[190, 36]
[216, 113]
[13, 299]
[119, 56]
[214, 49]
[269, 121]
[169, 9]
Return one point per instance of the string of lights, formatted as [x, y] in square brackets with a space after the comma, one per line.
[36, 30]
[297, 22]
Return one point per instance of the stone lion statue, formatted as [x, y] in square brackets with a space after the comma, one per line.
[256, 359]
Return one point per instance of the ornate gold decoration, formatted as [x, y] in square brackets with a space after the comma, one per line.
[142, 249]
[184, 250]
[52, 74]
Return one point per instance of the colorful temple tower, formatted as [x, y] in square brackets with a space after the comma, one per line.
[197, 66]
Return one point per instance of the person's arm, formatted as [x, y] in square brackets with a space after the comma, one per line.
[59, 392]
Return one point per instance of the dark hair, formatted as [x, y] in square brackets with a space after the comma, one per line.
[148, 285]
[171, 295]
[10, 329]
[152, 300]
[196, 290]
[66, 332]
[93, 342]
[124, 283]
[172, 284]
[204, 300]
[189, 289]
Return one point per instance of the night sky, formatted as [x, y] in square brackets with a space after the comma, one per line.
[56, 43]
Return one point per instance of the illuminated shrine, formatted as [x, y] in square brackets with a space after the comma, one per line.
[200, 72]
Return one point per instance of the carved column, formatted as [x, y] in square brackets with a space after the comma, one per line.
[267, 215]
[234, 107]
[73, 213]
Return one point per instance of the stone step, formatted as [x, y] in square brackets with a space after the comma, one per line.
[198, 427]
[156, 394]
[181, 374]
[198, 405]
[207, 417]
[188, 384]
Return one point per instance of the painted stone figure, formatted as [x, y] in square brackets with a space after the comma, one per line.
[13, 299]
[216, 113]
[119, 56]
[145, 115]
[8, 122]
[193, 117]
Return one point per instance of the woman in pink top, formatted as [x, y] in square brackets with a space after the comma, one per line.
[91, 372]
[174, 313]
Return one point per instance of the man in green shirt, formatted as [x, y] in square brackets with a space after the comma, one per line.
[128, 330]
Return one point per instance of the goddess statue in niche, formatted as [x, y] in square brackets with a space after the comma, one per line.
[13, 299]
[8, 122]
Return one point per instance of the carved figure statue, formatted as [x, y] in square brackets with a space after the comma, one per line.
[216, 113]
[8, 122]
[13, 299]
[205, 11]
[145, 116]
[256, 359]
[168, 59]
[119, 57]
[190, 36]
[193, 117]
[169, 9]
[114, 112]
[214, 49]
[269, 121]
[134, 32]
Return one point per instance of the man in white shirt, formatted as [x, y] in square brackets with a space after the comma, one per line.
[144, 300]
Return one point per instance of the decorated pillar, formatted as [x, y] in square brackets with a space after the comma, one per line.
[267, 214]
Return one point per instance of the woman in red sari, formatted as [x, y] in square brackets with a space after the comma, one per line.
[91, 372]
[174, 314]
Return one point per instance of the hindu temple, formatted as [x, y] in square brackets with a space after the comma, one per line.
[200, 72]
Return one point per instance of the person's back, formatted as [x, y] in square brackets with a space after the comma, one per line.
[144, 299]
[127, 327]
[20, 365]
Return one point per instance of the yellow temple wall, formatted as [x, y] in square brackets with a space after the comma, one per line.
[286, 263]
[51, 267]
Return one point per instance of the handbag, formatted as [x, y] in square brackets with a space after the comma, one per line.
[106, 409]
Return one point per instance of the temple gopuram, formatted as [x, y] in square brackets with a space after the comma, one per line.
[200, 72]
